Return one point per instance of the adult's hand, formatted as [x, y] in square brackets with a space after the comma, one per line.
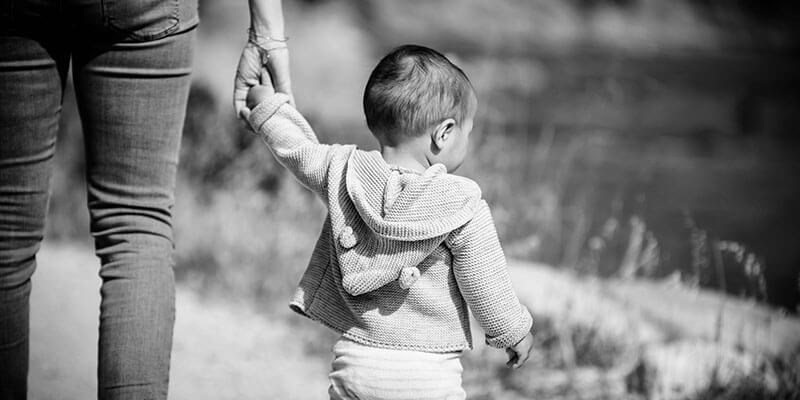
[277, 66]
[261, 66]
[248, 74]
[265, 57]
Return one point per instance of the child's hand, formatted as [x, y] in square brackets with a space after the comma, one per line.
[518, 354]
[257, 94]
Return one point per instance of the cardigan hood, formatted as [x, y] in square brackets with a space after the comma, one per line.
[402, 216]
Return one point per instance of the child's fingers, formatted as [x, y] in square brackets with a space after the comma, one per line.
[512, 357]
[522, 358]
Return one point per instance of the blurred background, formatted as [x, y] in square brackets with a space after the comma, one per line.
[639, 157]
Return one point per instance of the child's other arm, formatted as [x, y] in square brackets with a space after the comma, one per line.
[289, 137]
[479, 266]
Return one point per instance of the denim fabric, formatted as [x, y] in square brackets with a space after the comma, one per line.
[131, 64]
[106, 20]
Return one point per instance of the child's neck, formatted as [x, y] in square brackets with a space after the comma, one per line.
[405, 157]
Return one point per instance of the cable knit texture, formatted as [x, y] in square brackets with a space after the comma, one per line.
[401, 253]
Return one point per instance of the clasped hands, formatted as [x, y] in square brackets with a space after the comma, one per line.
[262, 66]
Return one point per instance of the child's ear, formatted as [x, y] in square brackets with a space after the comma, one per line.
[442, 132]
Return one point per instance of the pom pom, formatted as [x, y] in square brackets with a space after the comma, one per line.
[347, 238]
[408, 277]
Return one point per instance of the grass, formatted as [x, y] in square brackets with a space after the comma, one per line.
[246, 242]
[780, 381]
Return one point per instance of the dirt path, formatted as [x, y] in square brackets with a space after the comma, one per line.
[221, 350]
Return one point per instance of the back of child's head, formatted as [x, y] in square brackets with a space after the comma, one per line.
[412, 89]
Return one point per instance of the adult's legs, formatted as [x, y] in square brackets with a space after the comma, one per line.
[32, 76]
[132, 100]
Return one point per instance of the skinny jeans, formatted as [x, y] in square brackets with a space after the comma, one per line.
[131, 63]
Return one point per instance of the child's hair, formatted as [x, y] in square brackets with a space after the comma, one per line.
[412, 89]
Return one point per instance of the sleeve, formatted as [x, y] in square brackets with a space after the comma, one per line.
[479, 266]
[292, 141]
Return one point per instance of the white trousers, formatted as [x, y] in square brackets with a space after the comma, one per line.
[361, 372]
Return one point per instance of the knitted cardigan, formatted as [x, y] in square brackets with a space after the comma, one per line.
[401, 254]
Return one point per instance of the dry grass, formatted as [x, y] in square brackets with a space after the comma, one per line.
[247, 243]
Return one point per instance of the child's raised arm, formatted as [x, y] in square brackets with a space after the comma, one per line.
[289, 137]
[479, 266]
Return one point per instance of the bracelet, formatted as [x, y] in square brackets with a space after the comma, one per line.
[266, 43]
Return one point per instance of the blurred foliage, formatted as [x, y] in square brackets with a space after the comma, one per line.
[785, 387]
[532, 26]
[219, 153]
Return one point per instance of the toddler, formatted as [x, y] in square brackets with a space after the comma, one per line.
[406, 247]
